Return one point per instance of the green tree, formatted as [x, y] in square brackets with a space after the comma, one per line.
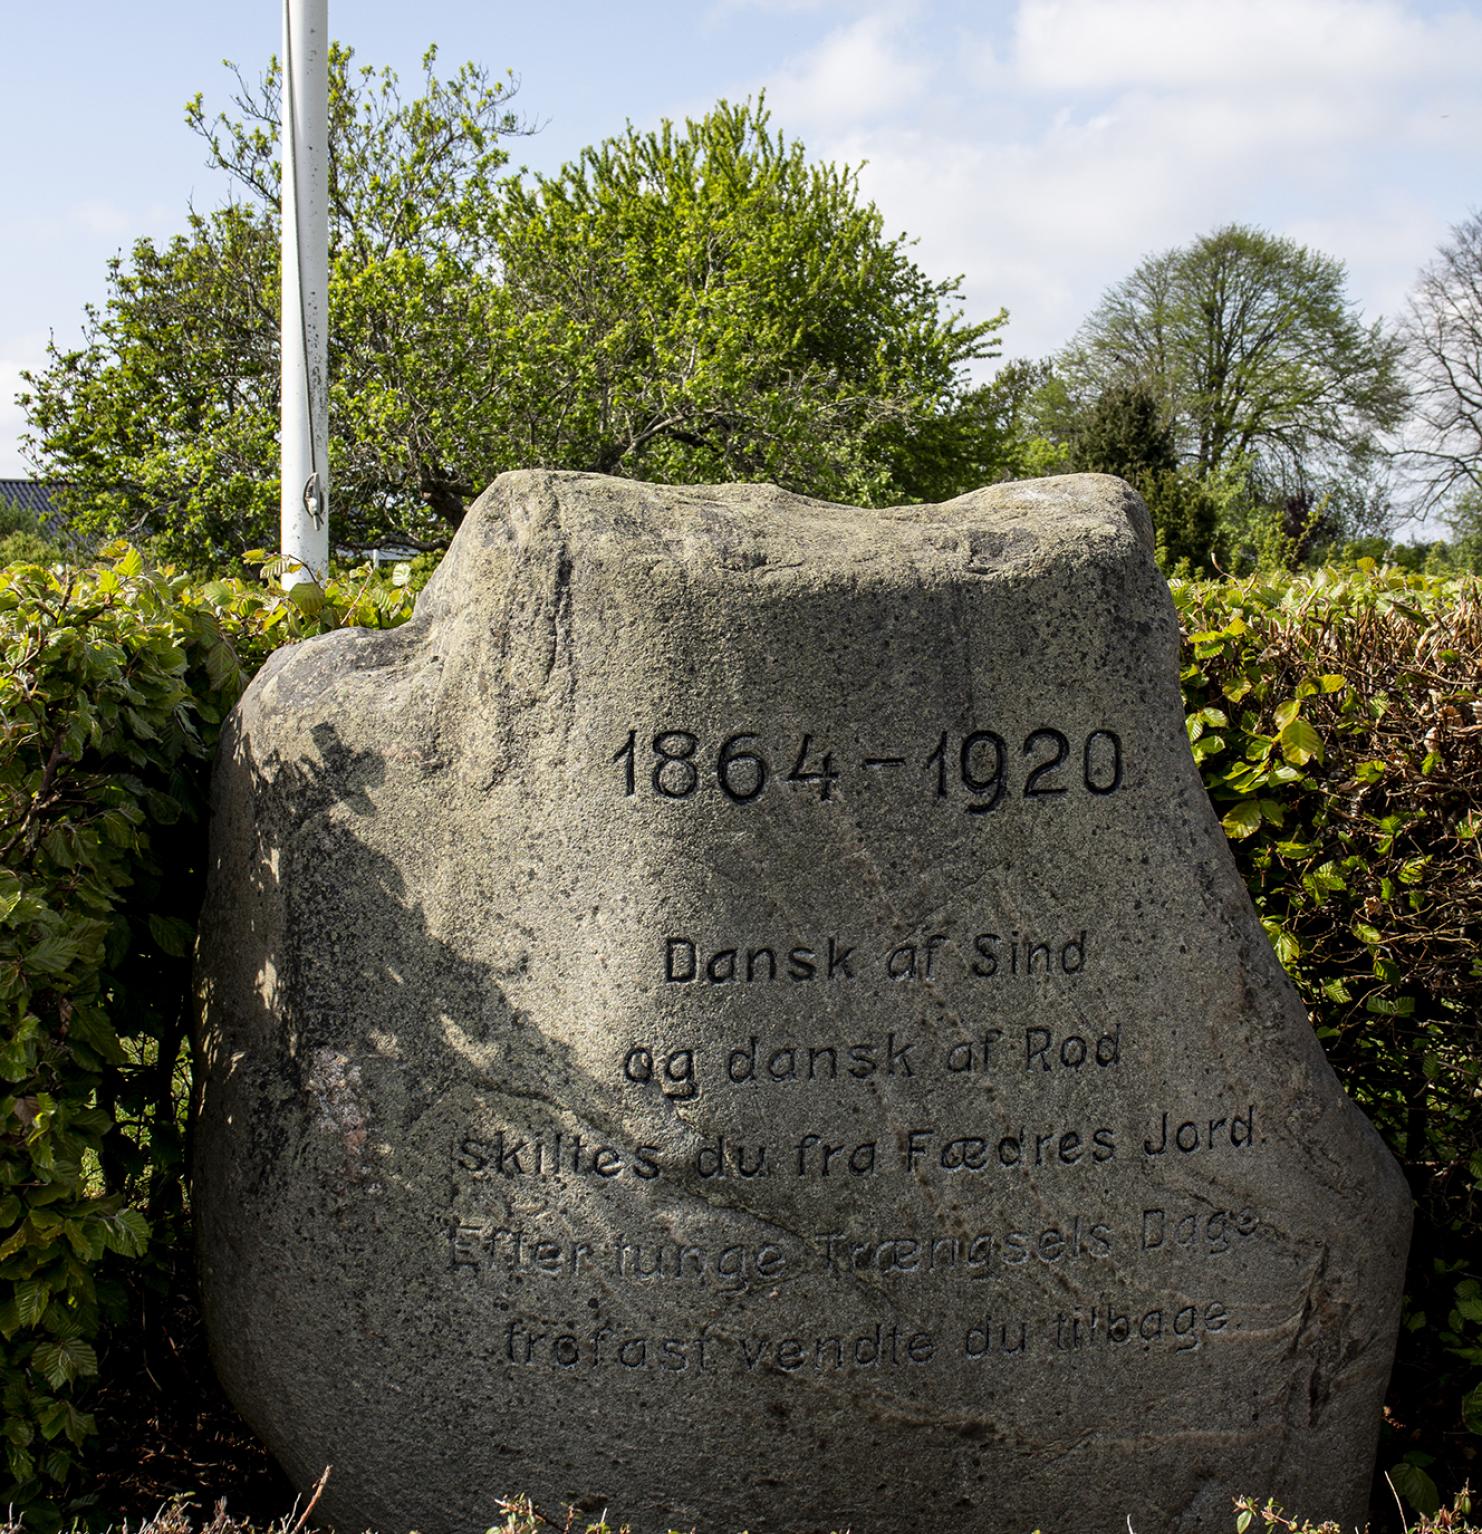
[1019, 442]
[1464, 519]
[701, 303]
[164, 421]
[1125, 430]
[1257, 360]
[21, 540]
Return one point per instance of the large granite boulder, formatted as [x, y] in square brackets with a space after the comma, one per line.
[742, 1014]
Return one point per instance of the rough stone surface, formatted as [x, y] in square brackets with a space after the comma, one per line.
[913, 1131]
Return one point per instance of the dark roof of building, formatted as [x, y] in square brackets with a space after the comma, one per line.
[30, 493]
[35, 496]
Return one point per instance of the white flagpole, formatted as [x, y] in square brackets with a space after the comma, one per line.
[304, 497]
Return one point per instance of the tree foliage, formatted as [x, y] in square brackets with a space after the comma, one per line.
[699, 303]
[114, 681]
[161, 420]
[1254, 353]
[705, 304]
[415, 355]
[1337, 722]
[1233, 383]
[21, 538]
[164, 421]
[1124, 430]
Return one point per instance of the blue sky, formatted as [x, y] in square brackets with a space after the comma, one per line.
[1038, 147]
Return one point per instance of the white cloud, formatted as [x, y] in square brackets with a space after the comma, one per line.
[865, 70]
[1045, 157]
[1383, 244]
[1038, 231]
[1259, 44]
[24, 352]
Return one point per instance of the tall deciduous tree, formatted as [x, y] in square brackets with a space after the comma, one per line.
[165, 420]
[1255, 354]
[704, 303]
[700, 303]
[1442, 334]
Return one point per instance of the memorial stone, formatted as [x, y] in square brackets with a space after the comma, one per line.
[741, 1014]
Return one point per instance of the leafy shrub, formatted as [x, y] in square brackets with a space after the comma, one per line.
[23, 547]
[21, 538]
[113, 685]
[1268, 1517]
[1337, 720]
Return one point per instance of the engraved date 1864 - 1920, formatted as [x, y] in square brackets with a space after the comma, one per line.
[978, 767]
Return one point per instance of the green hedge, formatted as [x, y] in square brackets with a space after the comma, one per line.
[113, 685]
[1335, 717]
[1337, 720]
